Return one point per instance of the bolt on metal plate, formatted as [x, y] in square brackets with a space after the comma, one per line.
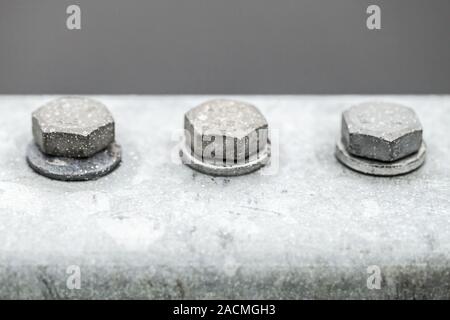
[225, 138]
[73, 140]
[382, 139]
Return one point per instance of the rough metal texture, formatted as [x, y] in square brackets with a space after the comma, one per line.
[74, 169]
[155, 229]
[225, 138]
[381, 168]
[74, 127]
[381, 131]
[233, 128]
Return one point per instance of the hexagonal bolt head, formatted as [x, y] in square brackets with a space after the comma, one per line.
[225, 131]
[381, 131]
[72, 127]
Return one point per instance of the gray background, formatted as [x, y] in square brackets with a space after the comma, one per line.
[224, 47]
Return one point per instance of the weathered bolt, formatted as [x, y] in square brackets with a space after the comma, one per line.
[73, 140]
[74, 127]
[226, 130]
[381, 131]
[225, 138]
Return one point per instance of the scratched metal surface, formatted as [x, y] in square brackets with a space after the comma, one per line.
[156, 229]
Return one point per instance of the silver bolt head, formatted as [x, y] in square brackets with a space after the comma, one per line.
[381, 131]
[225, 130]
[74, 127]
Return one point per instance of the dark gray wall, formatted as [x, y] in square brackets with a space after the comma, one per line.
[224, 46]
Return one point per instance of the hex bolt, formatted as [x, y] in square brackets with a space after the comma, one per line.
[383, 139]
[225, 138]
[74, 139]
[72, 127]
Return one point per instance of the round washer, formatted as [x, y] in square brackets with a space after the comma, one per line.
[74, 169]
[254, 163]
[379, 168]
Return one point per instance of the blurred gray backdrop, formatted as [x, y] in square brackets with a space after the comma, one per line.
[224, 47]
